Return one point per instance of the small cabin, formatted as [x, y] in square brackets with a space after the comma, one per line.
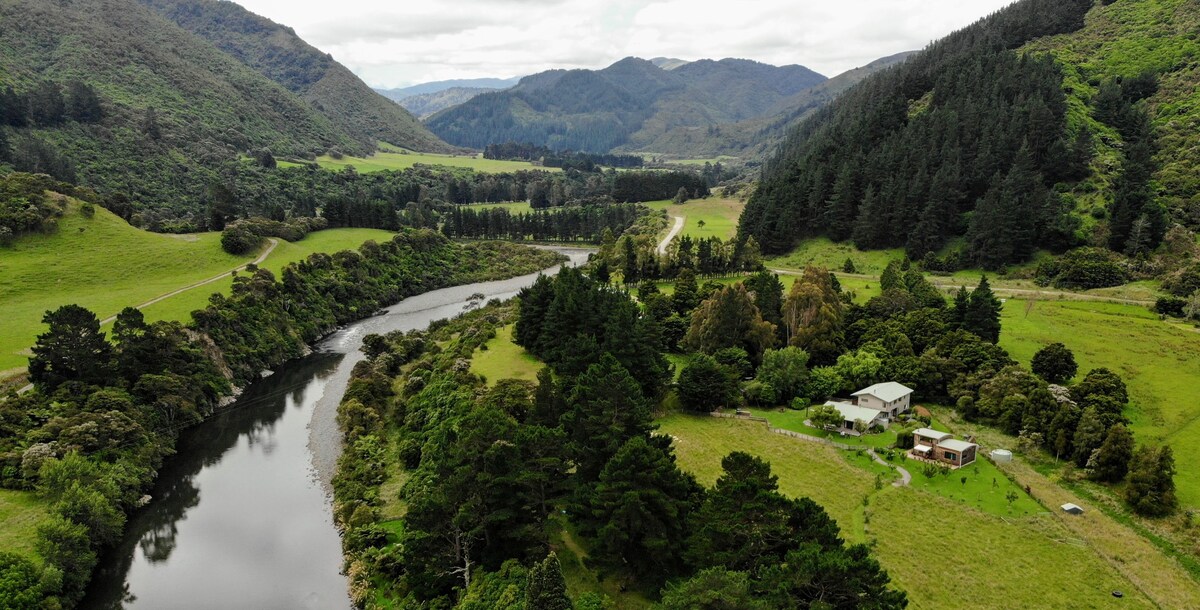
[853, 413]
[937, 446]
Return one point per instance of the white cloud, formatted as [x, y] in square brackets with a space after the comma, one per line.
[411, 41]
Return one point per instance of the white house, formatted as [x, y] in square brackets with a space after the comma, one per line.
[891, 398]
[854, 413]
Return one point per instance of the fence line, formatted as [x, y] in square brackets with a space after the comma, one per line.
[793, 434]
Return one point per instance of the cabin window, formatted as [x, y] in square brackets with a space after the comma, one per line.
[951, 456]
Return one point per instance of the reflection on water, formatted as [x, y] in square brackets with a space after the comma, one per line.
[240, 517]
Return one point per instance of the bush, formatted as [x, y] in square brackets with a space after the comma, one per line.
[705, 385]
[1170, 306]
[1083, 269]
[239, 240]
[1184, 283]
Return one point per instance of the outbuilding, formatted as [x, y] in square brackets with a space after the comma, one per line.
[1074, 509]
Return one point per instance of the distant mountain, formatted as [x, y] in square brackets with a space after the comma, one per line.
[752, 138]
[442, 85]
[599, 110]
[278, 53]
[425, 104]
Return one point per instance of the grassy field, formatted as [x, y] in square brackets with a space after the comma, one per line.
[719, 215]
[20, 514]
[504, 359]
[513, 207]
[788, 419]
[944, 552]
[104, 264]
[395, 158]
[1159, 362]
[824, 253]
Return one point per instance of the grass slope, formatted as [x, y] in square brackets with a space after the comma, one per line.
[976, 559]
[720, 216]
[20, 514]
[104, 264]
[1159, 362]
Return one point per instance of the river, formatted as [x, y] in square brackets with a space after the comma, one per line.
[240, 517]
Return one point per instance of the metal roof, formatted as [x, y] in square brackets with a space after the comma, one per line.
[954, 444]
[886, 392]
[854, 412]
[934, 434]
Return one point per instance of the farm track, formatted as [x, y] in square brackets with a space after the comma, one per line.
[675, 230]
[216, 278]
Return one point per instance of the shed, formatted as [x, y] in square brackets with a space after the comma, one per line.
[1001, 456]
[1074, 509]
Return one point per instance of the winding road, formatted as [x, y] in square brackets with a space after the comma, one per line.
[662, 245]
[216, 278]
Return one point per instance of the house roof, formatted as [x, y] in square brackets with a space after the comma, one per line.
[933, 434]
[922, 448]
[954, 444]
[886, 392]
[854, 412]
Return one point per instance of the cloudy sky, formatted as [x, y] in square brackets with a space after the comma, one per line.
[401, 42]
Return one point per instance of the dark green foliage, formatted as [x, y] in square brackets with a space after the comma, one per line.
[870, 168]
[1185, 282]
[245, 236]
[20, 582]
[73, 349]
[768, 296]
[1083, 269]
[1055, 363]
[240, 240]
[982, 313]
[606, 408]
[786, 370]
[706, 385]
[513, 151]
[1151, 489]
[841, 577]
[1110, 463]
[713, 589]
[730, 319]
[639, 510]
[546, 588]
[586, 223]
[24, 206]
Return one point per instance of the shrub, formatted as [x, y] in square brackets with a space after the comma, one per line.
[1083, 269]
[239, 240]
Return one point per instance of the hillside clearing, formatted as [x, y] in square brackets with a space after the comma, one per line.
[396, 159]
[20, 514]
[503, 359]
[719, 215]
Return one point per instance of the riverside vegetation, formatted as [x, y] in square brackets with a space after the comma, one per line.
[106, 411]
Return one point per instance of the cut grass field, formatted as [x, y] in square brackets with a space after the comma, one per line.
[943, 552]
[20, 514]
[504, 359]
[1159, 362]
[719, 215]
[395, 159]
[104, 264]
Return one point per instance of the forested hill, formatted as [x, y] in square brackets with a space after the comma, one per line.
[113, 96]
[278, 53]
[598, 110]
[1050, 124]
[754, 138]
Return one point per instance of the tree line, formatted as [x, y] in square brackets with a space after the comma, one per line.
[576, 223]
[490, 466]
[106, 410]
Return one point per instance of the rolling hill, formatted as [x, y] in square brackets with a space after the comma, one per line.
[598, 110]
[427, 104]
[176, 111]
[442, 85]
[275, 51]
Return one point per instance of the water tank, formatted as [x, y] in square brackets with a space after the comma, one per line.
[1001, 456]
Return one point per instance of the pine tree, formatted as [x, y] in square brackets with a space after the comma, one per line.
[1089, 435]
[1110, 462]
[983, 312]
[546, 589]
[73, 349]
[1151, 490]
[605, 408]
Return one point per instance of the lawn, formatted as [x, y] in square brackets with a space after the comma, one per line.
[396, 158]
[942, 551]
[20, 514]
[105, 264]
[1159, 362]
[500, 358]
[513, 207]
[719, 215]
[788, 419]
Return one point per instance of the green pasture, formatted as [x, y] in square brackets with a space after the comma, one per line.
[719, 215]
[104, 264]
[1159, 362]
[500, 358]
[397, 158]
[940, 548]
